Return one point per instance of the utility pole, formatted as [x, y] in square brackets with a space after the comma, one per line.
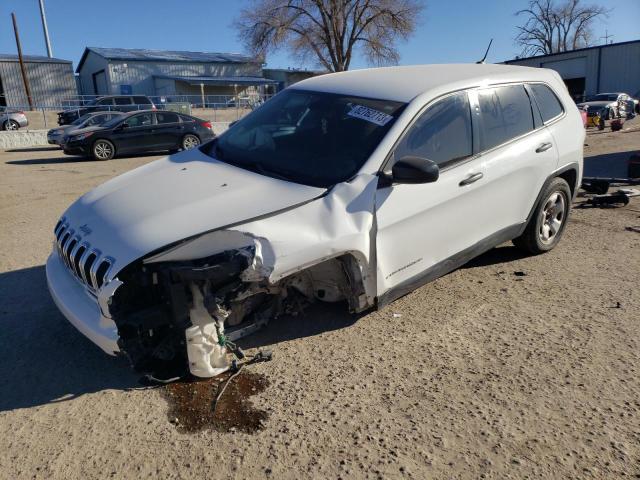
[46, 29]
[25, 79]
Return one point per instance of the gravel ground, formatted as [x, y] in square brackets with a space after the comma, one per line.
[483, 373]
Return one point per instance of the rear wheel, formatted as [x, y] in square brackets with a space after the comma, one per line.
[190, 141]
[11, 125]
[103, 150]
[546, 226]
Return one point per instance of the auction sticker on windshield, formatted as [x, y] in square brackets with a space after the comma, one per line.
[370, 115]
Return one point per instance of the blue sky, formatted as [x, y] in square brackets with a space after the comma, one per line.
[451, 31]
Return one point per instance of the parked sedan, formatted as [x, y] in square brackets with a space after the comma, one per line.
[12, 119]
[56, 136]
[137, 132]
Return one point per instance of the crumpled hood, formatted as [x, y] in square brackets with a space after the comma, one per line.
[174, 198]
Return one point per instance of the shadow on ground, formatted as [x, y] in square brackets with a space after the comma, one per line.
[608, 165]
[74, 159]
[504, 254]
[44, 359]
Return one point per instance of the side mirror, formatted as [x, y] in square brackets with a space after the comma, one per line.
[122, 126]
[415, 170]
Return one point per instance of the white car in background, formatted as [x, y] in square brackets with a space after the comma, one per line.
[613, 105]
[357, 187]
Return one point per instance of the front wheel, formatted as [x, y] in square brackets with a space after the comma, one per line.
[103, 150]
[11, 125]
[190, 141]
[546, 226]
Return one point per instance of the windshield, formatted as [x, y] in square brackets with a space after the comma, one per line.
[114, 121]
[313, 138]
[82, 119]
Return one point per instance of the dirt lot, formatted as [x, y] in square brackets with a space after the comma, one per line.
[483, 373]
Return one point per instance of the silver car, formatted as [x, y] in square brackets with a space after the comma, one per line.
[56, 136]
[12, 119]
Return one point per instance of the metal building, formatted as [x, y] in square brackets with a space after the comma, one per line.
[605, 68]
[123, 71]
[51, 80]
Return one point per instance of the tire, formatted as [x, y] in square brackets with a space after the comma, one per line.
[549, 219]
[190, 141]
[10, 125]
[103, 150]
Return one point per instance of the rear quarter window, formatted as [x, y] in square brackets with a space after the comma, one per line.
[548, 104]
[141, 101]
[505, 113]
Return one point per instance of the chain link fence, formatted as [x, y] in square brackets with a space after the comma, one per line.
[214, 108]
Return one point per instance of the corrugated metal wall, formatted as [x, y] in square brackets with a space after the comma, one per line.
[140, 75]
[49, 82]
[611, 68]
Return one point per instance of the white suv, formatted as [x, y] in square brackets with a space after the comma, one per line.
[358, 187]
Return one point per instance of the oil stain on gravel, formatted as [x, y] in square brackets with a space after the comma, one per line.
[191, 404]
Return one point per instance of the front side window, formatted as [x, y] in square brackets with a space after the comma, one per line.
[548, 104]
[442, 134]
[123, 101]
[313, 138]
[141, 120]
[505, 113]
[105, 101]
[167, 117]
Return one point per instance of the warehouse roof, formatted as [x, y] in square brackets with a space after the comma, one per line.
[10, 57]
[519, 59]
[145, 55]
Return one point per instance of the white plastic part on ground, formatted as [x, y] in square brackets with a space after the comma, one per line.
[207, 358]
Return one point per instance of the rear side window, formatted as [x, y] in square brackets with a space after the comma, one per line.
[123, 101]
[167, 117]
[186, 119]
[141, 101]
[505, 114]
[548, 104]
[442, 134]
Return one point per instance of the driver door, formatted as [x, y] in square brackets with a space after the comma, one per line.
[423, 227]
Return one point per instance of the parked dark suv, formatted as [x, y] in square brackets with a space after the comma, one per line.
[120, 103]
[137, 132]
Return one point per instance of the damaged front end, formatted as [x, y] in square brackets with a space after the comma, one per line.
[175, 315]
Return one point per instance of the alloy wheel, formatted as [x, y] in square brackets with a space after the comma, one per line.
[103, 150]
[190, 141]
[553, 216]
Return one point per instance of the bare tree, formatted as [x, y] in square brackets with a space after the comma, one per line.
[329, 31]
[553, 28]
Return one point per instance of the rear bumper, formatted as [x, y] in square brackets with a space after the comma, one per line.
[79, 307]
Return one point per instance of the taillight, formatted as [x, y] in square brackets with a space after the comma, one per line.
[207, 125]
[153, 107]
[20, 112]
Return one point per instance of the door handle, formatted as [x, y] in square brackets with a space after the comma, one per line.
[474, 177]
[544, 147]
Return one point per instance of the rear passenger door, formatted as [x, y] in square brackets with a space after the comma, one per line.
[169, 130]
[135, 134]
[518, 152]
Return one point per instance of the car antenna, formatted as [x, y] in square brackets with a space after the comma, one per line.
[486, 53]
